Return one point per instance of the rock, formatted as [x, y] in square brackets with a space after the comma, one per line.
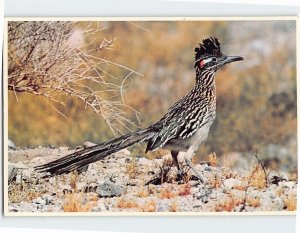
[231, 182]
[11, 145]
[48, 199]
[26, 175]
[15, 171]
[39, 200]
[110, 189]
[289, 184]
[88, 144]
[66, 188]
[38, 161]
[99, 208]
[80, 185]
[203, 194]
[12, 172]
[63, 148]
[193, 183]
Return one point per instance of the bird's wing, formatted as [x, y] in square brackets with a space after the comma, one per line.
[181, 121]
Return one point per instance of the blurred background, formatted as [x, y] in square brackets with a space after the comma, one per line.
[256, 98]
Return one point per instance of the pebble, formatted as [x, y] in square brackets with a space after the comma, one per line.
[110, 189]
[12, 172]
[231, 182]
[289, 184]
[11, 145]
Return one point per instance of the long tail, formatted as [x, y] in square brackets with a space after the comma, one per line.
[82, 158]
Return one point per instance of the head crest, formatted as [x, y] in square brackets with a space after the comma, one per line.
[209, 47]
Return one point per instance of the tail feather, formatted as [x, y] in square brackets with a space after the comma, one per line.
[82, 158]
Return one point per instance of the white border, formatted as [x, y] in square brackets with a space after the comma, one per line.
[7, 213]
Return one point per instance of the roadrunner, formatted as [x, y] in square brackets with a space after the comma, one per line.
[183, 128]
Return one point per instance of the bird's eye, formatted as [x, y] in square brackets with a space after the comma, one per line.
[214, 59]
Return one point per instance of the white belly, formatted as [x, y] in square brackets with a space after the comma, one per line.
[195, 140]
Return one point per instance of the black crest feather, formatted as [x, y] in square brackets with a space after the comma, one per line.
[209, 47]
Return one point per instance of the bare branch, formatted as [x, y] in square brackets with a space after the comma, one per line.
[55, 59]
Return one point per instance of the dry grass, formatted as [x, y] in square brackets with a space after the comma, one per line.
[215, 182]
[185, 190]
[228, 204]
[132, 169]
[253, 201]
[279, 191]
[257, 177]
[173, 207]
[77, 202]
[73, 180]
[23, 192]
[212, 159]
[126, 204]
[293, 175]
[291, 202]
[142, 193]
[149, 206]
[167, 193]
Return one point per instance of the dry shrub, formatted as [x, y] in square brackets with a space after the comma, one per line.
[126, 204]
[76, 202]
[215, 181]
[132, 169]
[151, 189]
[167, 193]
[212, 159]
[291, 202]
[149, 206]
[73, 180]
[257, 177]
[253, 201]
[174, 207]
[228, 173]
[22, 192]
[228, 204]
[279, 191]
[293, 175]
[185, 190]
[142, 193]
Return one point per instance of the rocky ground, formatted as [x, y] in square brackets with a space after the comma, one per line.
[123, 183]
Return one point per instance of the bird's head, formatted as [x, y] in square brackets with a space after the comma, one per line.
[208, 56]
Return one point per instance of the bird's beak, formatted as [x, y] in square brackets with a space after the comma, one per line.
[229, 59]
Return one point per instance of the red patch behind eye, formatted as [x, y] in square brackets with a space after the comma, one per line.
[202, 63]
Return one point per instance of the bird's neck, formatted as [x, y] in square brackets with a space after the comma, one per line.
[205, 80]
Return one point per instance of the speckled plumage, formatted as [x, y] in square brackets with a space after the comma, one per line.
[183, 128]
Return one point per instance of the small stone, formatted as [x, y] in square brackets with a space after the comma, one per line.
[289, 184]
[39, 200]
[48, 199]
[12, 172]
[203, 195]
[231, 182]
[109, 189]
[99, 208]
[80, 185]
[89, 144]
[64, 148]
[66, 189]
[213, 196]
[193, 183]
[11, 145]
[208, 169]
[26, 175]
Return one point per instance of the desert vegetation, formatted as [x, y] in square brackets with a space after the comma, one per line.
[73, 82]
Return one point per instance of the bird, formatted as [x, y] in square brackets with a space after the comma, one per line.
[183, 128]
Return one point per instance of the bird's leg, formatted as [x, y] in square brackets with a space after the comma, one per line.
[188, 159]
[174, 154]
